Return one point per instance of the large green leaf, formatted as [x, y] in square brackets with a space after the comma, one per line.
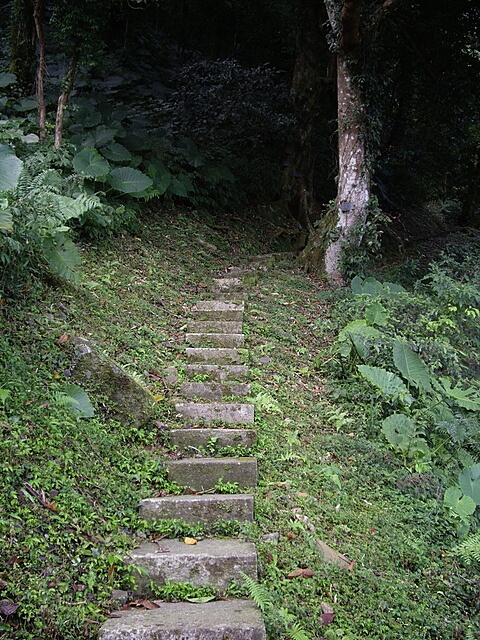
[469, 480]
[63, 257]
[399, 430]
[7, 79]
[460, 504]
[128, 180]
[80, 404]
[90, 163]
[386, 381]
[411, 366]
[376, 314]
[10, 168]
[352, 335]
[6, 220]
[117, 152]
[465, 398]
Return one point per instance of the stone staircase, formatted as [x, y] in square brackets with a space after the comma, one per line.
[215, 335]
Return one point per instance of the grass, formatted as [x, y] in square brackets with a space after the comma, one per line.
[69, 488]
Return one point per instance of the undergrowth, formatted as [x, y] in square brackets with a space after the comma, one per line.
[70, 486]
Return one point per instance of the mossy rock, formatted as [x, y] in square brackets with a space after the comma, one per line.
[129, 401]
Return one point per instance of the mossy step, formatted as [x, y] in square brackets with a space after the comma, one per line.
[227, 340]
[230, 412]
[199, 508]
[213, 390]
[203, 474]
[191, 441]
[232, 619]
[218, 310]
[209, 562]
[212, 355]
[220, 373]
[198, 326]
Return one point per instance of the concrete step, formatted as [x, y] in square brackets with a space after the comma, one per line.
[221, 620]
[220, 373]
[209, 562]
[212, 355]
[214, 327]
[231, 412]
[190, 441]
[227, 285]
[218, 310]
[202, 474]
[199, 508]
[213, 390]
[226, 340]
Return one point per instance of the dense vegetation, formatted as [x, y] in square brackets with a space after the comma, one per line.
[145, 147]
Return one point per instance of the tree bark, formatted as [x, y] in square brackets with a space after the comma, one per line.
[298, 197]
[64, 97]
[353, 189]
[38, 16]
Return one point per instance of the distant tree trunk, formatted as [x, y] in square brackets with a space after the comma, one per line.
[297, 179]
[22, 43]
[64, 96]
[38, 16]
[353, 191]
[470, 215]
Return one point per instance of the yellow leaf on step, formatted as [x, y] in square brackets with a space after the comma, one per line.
[190, 541]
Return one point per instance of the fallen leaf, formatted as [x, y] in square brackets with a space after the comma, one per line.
[290, 535]
[302, 494]
[300, 573]
[328, 614]
[190, 541]
[7, 607]
[63, 338]
[146, 604]
[201, 600]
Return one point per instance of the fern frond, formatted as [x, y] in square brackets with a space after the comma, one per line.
[258, 593]
[469, 549]
[297, 633]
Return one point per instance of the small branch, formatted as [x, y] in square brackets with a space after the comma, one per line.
[38, 16]
[64, 97]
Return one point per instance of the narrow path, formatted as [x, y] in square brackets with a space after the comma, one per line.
[215, 334]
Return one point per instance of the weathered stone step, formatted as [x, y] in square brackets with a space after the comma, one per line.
[231, 412]
[199, 508]
[213, 390]
[198, 326]
[227, 340]
[218, 310]
[227, 285]
[212, 355]
[221, 373]
[209, 562]
[190, 441]
[232, 620]
[202, 474]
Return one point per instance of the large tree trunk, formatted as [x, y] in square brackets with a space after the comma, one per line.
[38, 16]
[324, 250]
[298, 197]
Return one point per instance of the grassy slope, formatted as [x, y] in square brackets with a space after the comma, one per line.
[60, 552]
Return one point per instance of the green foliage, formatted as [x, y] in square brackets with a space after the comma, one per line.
[469, 549]
[429, 402]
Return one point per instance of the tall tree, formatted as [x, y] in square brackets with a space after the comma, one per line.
[308, 78]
